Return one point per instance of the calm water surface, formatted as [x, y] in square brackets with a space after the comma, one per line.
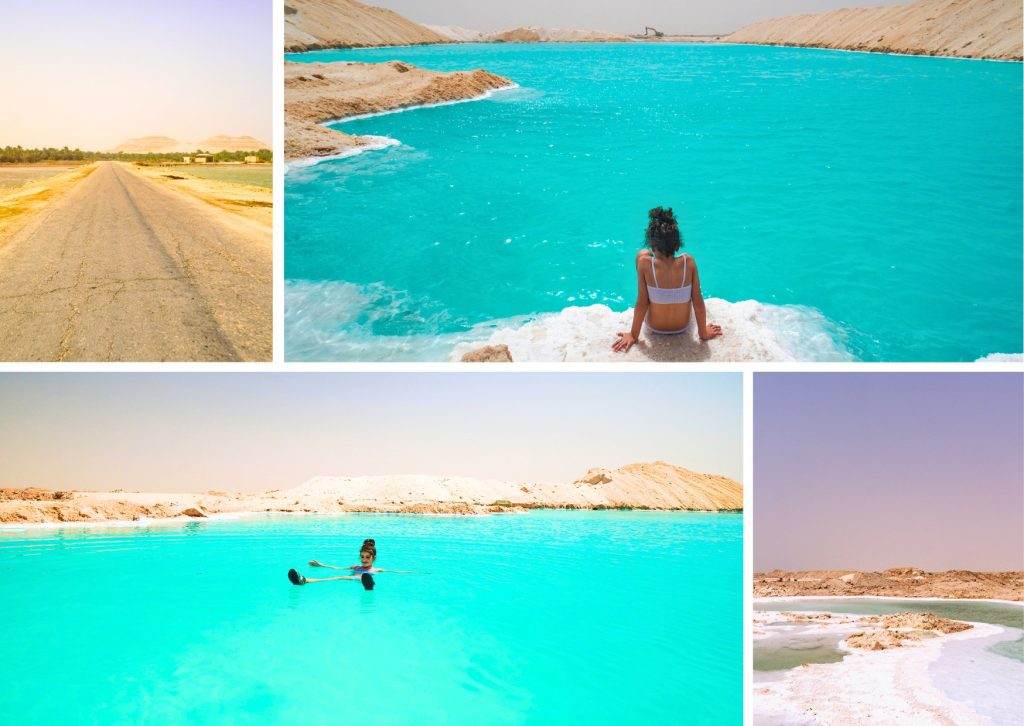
[547, 617]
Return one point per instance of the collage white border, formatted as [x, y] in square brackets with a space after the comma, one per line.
[278, 365]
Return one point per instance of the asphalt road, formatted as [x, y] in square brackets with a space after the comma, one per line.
[123, 269]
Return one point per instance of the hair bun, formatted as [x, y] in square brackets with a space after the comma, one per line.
[663, 231]
[662, 215]
[369, 542]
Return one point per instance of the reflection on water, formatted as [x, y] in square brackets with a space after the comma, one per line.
[796, 647]
[1010, 648]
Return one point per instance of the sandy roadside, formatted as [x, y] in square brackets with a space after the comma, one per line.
[20, 205]
[656, 485]
[244, 200]
[319, 92]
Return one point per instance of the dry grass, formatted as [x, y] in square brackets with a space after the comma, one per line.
[18, 204]
[253, 202]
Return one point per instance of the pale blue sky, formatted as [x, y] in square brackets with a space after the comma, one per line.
[254, 431]
[696, 16]
[876, 470]
[94, 73]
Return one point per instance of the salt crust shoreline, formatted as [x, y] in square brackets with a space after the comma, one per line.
[866, 683]
[317, 94]
[486, 94]
[217, 517]
[378, 143]
[256, 514]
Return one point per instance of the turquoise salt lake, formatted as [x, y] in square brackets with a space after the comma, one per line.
[545, 617]
[878, 197]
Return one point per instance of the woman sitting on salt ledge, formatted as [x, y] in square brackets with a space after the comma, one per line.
[668, 287]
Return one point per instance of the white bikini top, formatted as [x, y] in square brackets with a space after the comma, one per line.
[669, 295]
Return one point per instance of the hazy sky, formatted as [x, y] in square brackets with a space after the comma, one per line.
[92, 73]
[252, 431]
[878, 470]
[697, 16]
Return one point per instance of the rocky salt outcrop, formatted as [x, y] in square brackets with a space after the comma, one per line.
[319, 92]
[895, 582]
[894, 631]
[488, 354]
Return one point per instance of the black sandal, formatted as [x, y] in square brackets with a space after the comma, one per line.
[367, 580]
[296, 578]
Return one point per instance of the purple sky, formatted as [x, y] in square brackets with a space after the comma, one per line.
[878, 470]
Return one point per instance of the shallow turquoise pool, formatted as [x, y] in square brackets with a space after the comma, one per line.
[883, 191]
[547, 617]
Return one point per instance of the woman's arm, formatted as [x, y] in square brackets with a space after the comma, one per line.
[627, 340]
[314, 563]
[705, 331]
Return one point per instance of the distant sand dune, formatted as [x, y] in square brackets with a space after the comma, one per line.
[458, 33]
[654, 485]
[166, 145]
[316, 24]
[965, 28]
[534, 34]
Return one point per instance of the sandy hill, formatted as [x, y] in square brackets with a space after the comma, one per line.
[315, 24]
[148, 144]
[165, 144]
[532, 34]
[654, 486]
[458, 33]
[664, 486]
[231, 143]
[895, 582]
[966, 28]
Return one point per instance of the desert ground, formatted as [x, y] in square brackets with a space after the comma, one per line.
[894, 582]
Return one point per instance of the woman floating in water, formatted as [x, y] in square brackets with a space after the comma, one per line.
[668, 287]
[364, 571]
